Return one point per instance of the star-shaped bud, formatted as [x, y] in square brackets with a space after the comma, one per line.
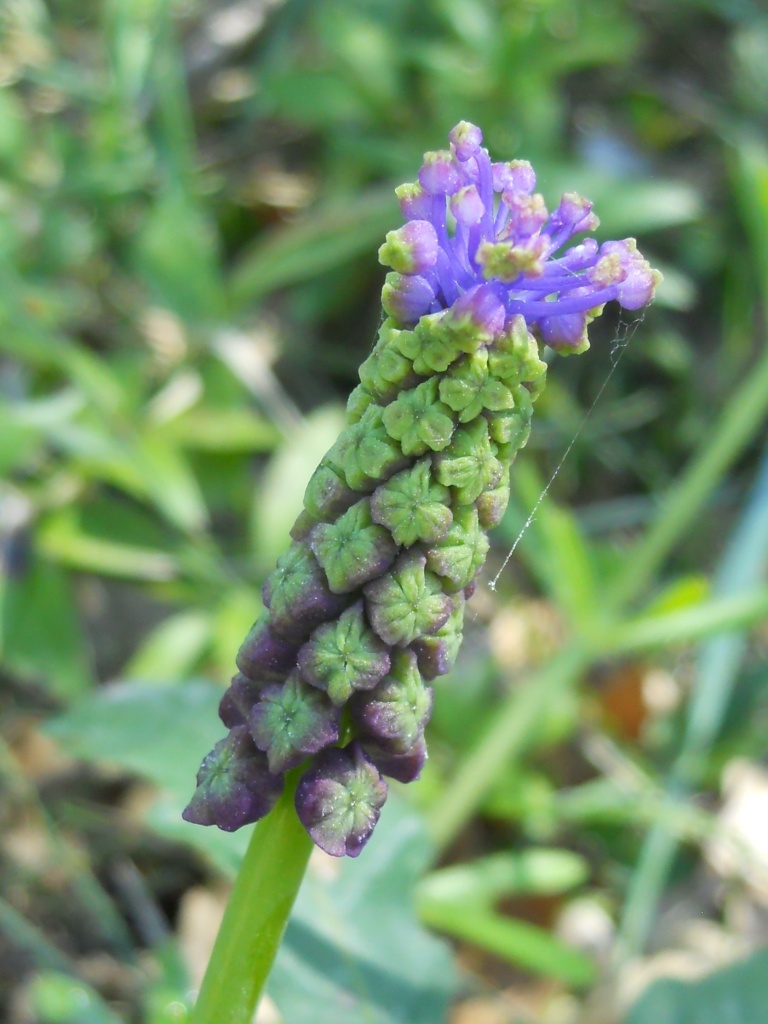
[437, 340]
[292, 721]
[470, 466]
[405, 767]
[509, 428]
[234, 785]
[419, 420]
[457, 557]
[354, 549]
[492, 504]
[327, 494]
[264, 656]
[298, 596]
[368, 453]
[468, 388]
[387, 370]
[437, 654]
[344, 656]
[339, 799]
[397, 709]
[412, 506]
[514, 358]
[359, 400]
[411, 249]
[407, 603]
[238, 699]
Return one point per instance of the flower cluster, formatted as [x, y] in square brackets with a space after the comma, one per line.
[366, 607]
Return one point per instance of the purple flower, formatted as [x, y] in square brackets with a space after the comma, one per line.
[491, 229]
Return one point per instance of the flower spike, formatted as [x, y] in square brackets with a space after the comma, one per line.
[367, 605]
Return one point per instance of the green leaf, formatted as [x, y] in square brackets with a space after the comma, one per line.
[221, 430]
[519, 942]
[176, 253]
[64, 540]
[735, 994]
[40, 633]
[173, 648]
[540, 871]
[160, 733]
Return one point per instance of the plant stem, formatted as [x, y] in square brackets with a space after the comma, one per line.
[255, 918]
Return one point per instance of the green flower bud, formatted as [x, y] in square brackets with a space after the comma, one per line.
[297, 594]
[435, 342]
[327, 494]
[234, 785]
[412, 506]
[461, 552]
[292, 721]
[339, 799]
[354, 549]
[367, 452]
[359, 400]
[492, 504]
[397, 709]
[514, 358]
[407, 603]
[419, 421]
[344, 656]
[387, 370]
[468, 388]
[470, 465]
[510, 427]
[437, 653]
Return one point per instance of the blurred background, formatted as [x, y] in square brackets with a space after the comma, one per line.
[191, 199]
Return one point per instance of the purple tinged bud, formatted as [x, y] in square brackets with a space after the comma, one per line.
[407, 603]
[411, 249]
[396, 710]
[344, 656]
[353, 550]
[638, 286]
[528, 212]
[415, 202]
[491, 506]
[567, 331]
[229, 713]
[407, 297]
[298, 596]
[573, 215]
[327, 494]
[405, 767]
[292, 721]
[481, 310]
[466, 139]
[467, 206]
[234, 785]
[517, 175]
[238, 699]
[339, 799]
[439, 175]
[264, 656]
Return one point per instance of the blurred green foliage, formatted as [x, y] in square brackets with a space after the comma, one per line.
[191, 199]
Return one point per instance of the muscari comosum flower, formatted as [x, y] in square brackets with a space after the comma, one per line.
[366, 607]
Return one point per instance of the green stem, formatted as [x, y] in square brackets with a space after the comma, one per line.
[255, 918]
